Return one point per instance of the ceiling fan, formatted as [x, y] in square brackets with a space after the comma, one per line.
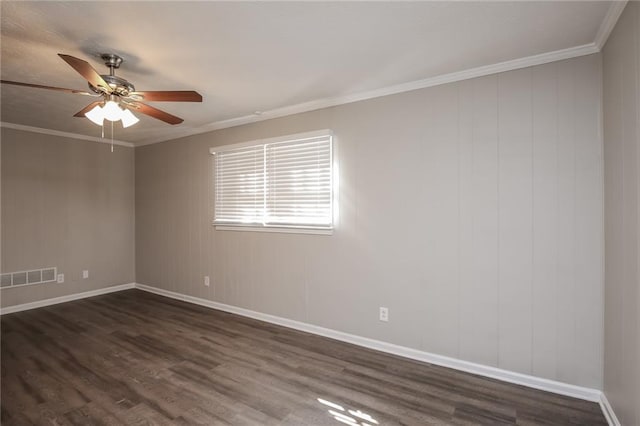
[118, 96]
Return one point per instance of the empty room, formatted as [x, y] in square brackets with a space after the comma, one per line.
[320, 213]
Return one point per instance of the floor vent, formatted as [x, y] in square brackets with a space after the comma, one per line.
[34, 276]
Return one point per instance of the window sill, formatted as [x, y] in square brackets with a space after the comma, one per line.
[288, 230]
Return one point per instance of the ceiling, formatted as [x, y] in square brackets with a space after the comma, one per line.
[248, 57]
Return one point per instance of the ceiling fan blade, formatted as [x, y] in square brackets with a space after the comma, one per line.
[169, 96]
[86, 109]
[155, 113]
[39, 86]
[86, 71]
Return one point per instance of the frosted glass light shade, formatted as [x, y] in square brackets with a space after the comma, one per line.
[112, 111]
[96, 115]
[128, 119]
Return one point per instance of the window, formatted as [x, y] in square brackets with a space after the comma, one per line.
[280, 183]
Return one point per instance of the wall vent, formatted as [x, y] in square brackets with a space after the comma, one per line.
[33, 276]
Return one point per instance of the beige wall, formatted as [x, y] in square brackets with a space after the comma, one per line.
[621, 64]
[66, 203]
[473, 211]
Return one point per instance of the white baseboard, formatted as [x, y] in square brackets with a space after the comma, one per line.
[63, 299]
[607, 410]
[560, 388]
[584, 393]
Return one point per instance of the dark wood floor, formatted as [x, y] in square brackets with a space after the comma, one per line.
[137, 359]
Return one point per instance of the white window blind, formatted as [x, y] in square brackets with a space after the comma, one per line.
[282, 183]
[239, 183]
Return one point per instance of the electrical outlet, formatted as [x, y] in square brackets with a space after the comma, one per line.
[206, 281]
[85, 274]
[60, 278]
[384, 314]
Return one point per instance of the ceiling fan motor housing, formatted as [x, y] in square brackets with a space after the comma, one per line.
[120, 86]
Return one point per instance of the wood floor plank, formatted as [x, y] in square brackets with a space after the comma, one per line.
[139, 359]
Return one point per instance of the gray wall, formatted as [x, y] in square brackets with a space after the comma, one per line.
[621, 64]
[473, 210]
[66, 203]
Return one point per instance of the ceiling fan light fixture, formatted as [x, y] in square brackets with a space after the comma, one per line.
[96, 115]
[112, 111]
[128, 119]
[115, 91]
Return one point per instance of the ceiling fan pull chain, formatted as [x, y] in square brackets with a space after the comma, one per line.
[112, 136]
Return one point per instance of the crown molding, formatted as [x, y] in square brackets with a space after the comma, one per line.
[543, 58]
[609, 22]
[611, 18]
[63, 134]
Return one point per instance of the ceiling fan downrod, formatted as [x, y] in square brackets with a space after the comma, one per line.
[112, 61]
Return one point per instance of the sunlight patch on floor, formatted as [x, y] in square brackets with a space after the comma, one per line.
[349, 417]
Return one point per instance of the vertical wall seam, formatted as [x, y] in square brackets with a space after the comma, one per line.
[573, 213]
[557, 215]
[602, 210]
[498, 363]
[637, 91]
[459, 268]
[533, 209]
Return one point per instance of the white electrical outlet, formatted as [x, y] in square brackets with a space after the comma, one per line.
[60, 278]
[206, 280]
[384, 314]
[85, 274]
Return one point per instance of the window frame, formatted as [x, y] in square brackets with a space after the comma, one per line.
[296, 229]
